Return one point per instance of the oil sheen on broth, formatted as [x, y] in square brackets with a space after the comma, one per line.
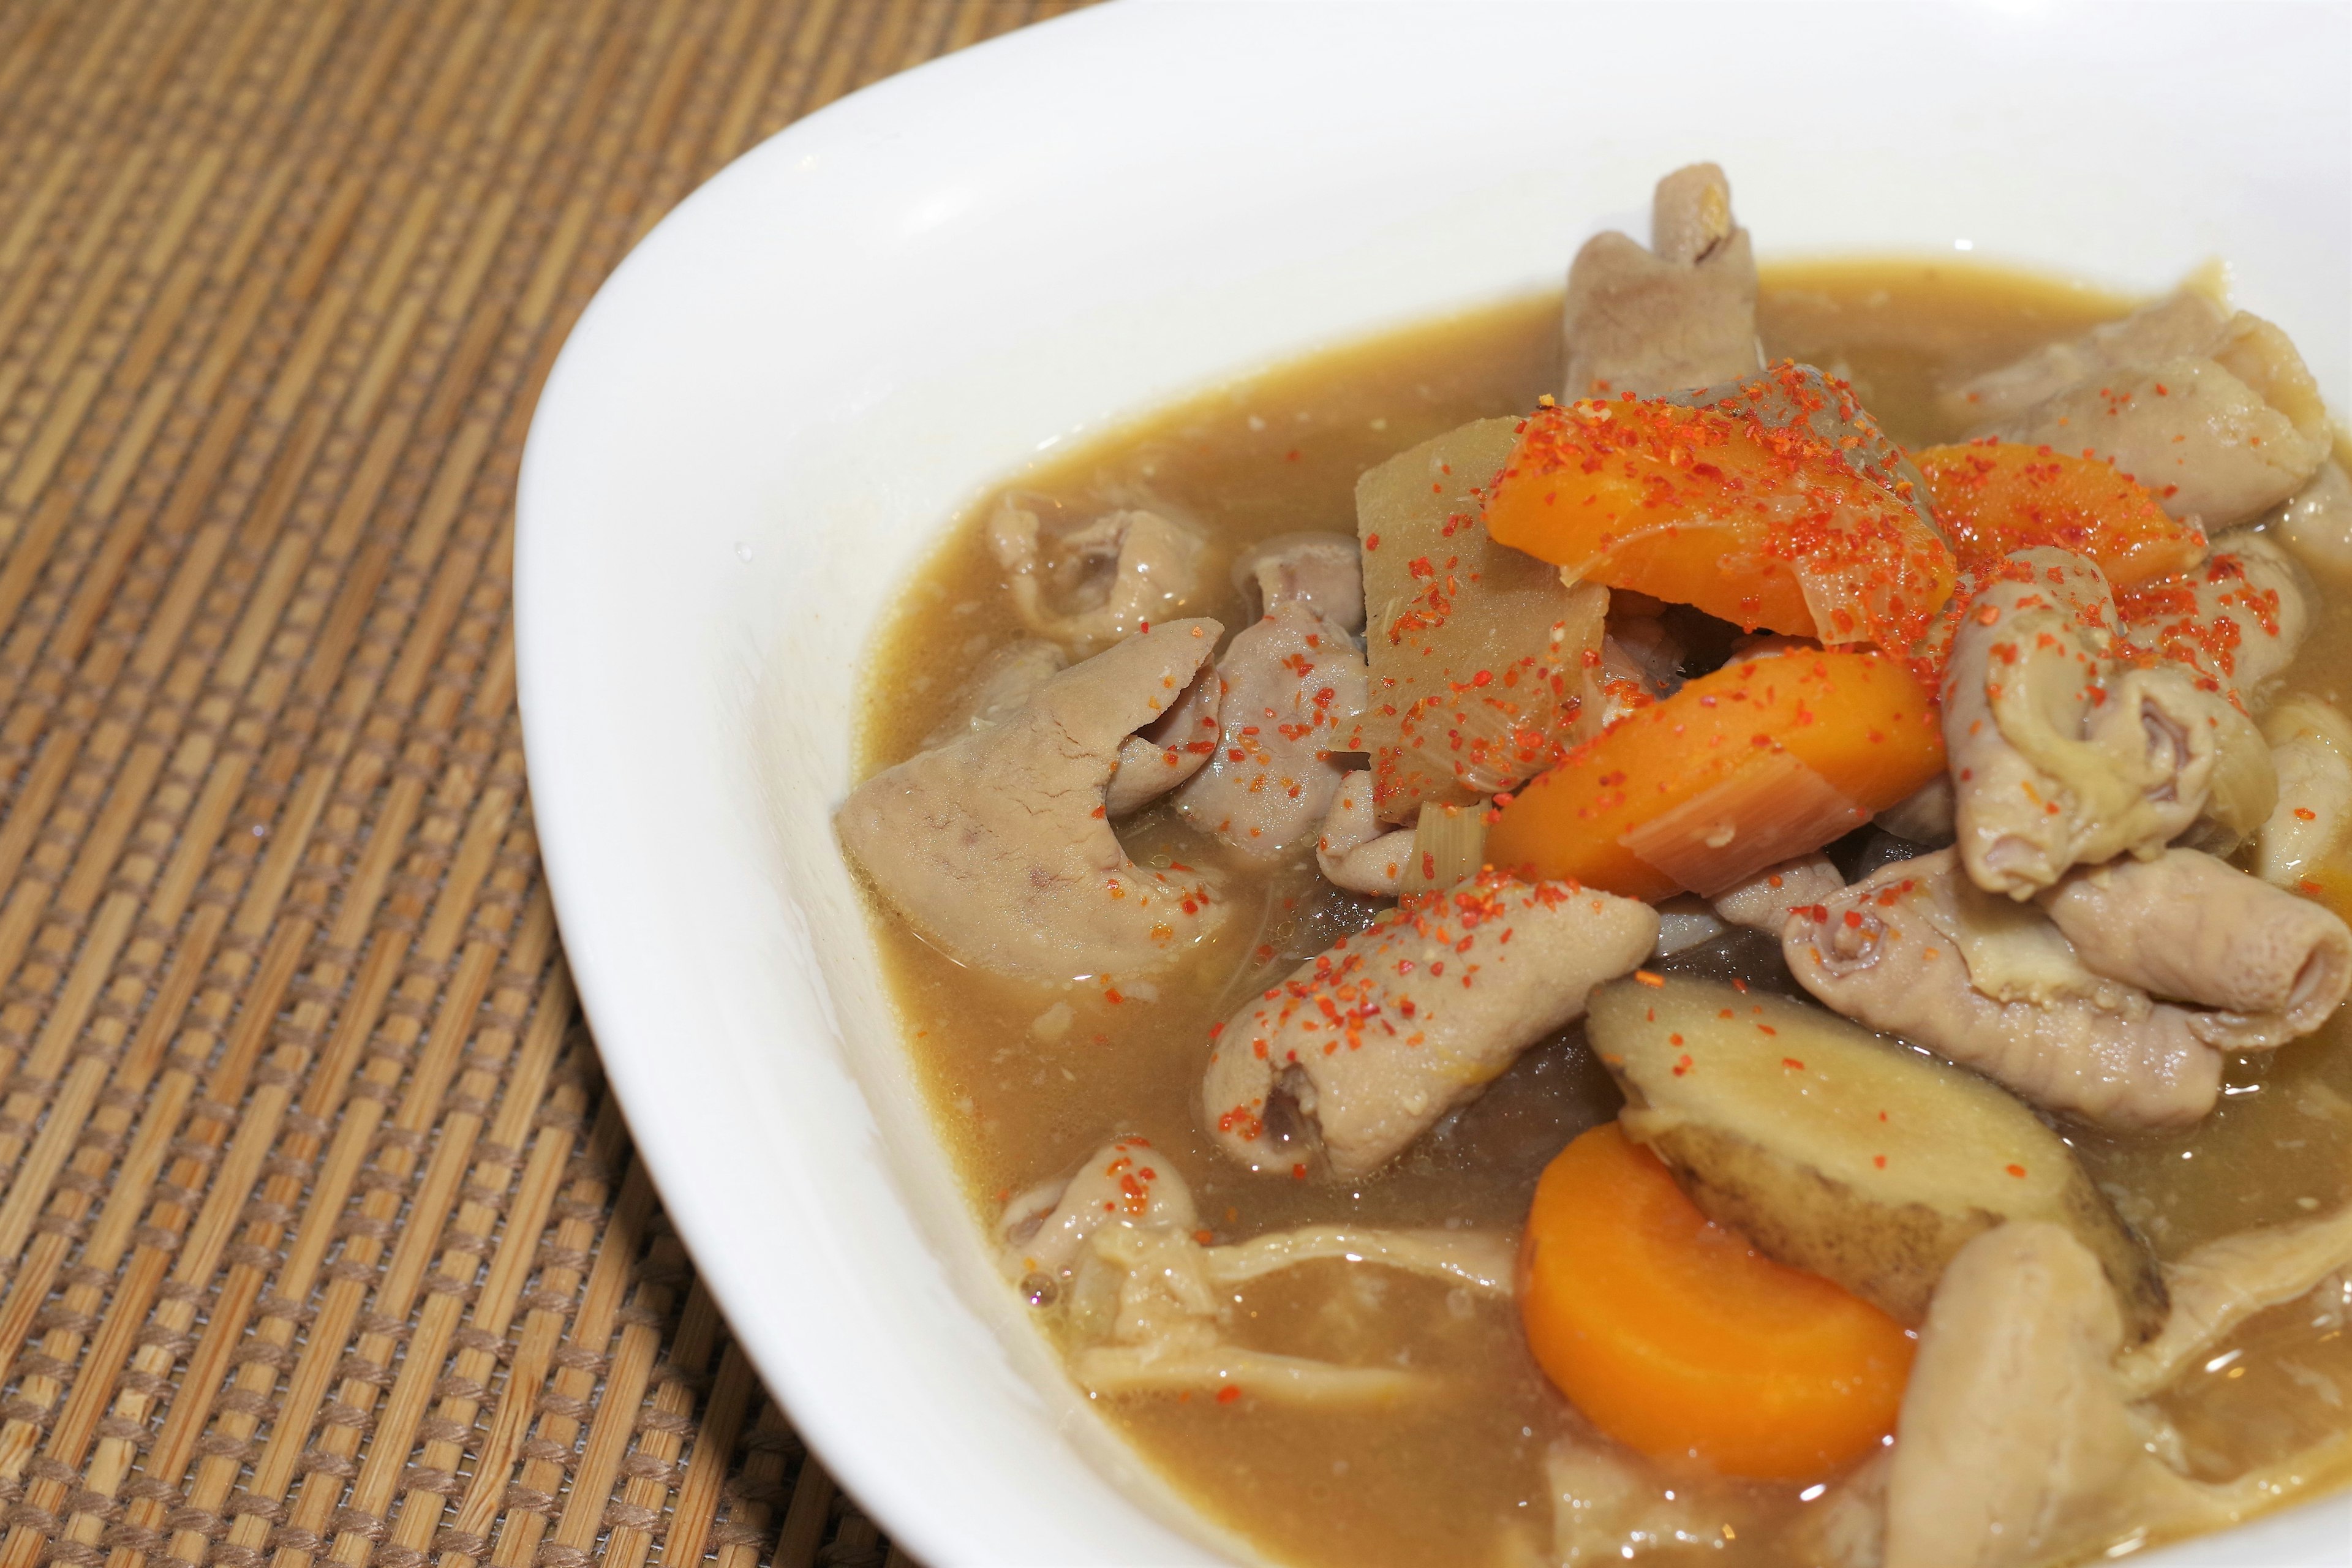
[1021, 1094]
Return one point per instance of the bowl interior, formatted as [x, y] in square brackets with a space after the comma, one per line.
[768, 414]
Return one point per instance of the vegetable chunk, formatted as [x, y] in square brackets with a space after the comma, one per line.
[1995, 497]
[1839, 1152]
[1737, 507]
[1763, 760]
[1674, 1338]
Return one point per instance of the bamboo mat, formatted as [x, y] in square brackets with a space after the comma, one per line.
[320, 1235]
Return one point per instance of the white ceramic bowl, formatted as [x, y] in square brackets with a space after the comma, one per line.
[770, 410]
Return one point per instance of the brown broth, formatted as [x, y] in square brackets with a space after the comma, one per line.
[1461, 1477]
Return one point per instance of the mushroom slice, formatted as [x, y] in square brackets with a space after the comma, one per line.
[1090, 586]
[997, 847]
[1336, 1068]
[1837, 1152]
[1678, 315]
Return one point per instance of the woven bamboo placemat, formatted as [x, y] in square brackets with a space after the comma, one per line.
[320, 1235]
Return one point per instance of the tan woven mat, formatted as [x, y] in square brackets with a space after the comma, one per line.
[320, 1237]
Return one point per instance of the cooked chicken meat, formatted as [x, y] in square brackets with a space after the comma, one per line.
[1293, 685]
[999, 687]
[2269, 965]
[997, 847]
[2311, 755]
[1917, 949]
[1336, 1068]
[1678, 315]
[2060, 753]
[1353, 851]
[2186, 322]
[1088, 587]
[2237, 620]
[1764, 902]
[2016, 1447]
[2316, 525]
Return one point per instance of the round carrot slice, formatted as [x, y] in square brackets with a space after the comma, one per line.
[1675, 1338]
[1761, 760]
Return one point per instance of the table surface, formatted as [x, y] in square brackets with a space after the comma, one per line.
[321, 1237]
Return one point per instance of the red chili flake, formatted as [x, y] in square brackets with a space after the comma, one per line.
[1228, 1393]
[2305, 814]
[1791, 1063]
[1113, 997]
[1646, 978]
[2014, 1170]
[1769, 1029]
[1671, 1039]
[1879, 1161]
[1853, 919]
[1371, 541]
[1298, 1173]
[2308, 886]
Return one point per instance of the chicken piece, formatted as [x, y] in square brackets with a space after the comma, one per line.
[2185, 926]
[2185, 322]
[1321, 571]
[1044, 1230]
[2058, 754]
[2316, 526]
[2237, 620]
[1763, 902]
[1609, 1506]
[1169, 750]
[2015, 1447]
[1685, 921]
[1292, 691]
[998, 689]
[1336, 1068]
[1918, 950]
[2207, 444]
[1089, 587]
[1112, 1250]
[1679, 315]
[997, 847]
[1925, 815]
[2223, 1283]
[1353, 852]
[2311, 754]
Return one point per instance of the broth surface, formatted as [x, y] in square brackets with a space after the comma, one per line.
[1024, 1082]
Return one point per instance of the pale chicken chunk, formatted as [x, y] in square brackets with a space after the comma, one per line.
[1293, 687]
[1354, 852]
[1918, 950]
[2316, 525]
[1765, 900]
[2271, 966]
[2311, 752]
[2059, 754]
[1334, 1070]
[1089, 586]
[2189, 322]
[997, 847]
[1678, 315]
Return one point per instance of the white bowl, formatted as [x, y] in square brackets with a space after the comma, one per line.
[768, 414]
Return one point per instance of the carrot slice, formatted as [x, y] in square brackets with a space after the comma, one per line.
[1674, 1337]
[1767, 526]
[1993, 497]
[1763, 760]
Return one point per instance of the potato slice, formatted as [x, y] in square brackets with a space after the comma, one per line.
[1839, 1152]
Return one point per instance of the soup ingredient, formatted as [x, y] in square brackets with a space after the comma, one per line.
[2236, 621]
[1352, 852]
[1763, 760]
[1732, 507]
[2316, 525]
[1609, 1506]
[1476, 651]
[1674, 1338]
[2187, 322]
[2311, 754]
[1918, 950]
[1116, 1252]
[1293, 687]
[2223, 1283]
[2016, 1447]
[997, 847]
[1841, 1154]
[1088, 587]
[2061, 752]
[998, 687]
[2211, 447]
[1333, 1071]
[1996, 497]
[1167, 751]
[1763, 901]
[1679, 314]
[2271, 966]
[1449, 844]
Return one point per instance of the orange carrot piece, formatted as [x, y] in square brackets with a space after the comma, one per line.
[1765, 759]
[1765, 526]
[1675, 1338]
[1993, 497]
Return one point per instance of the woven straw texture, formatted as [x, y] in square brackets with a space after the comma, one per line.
[320, 1235]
